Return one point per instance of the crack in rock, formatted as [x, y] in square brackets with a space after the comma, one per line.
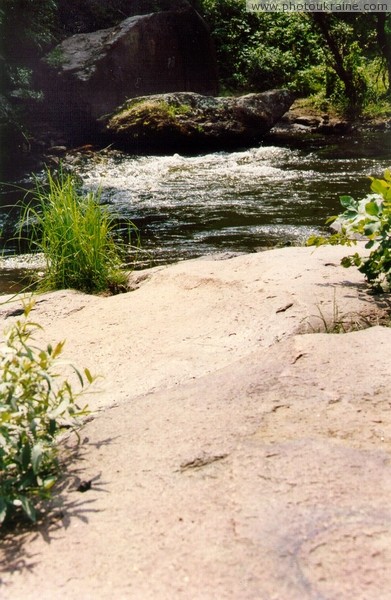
[201, 461]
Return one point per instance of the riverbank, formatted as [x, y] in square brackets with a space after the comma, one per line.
[305, 124]
[234, 451]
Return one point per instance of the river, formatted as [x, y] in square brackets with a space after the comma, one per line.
[276, 194]
[241, 201]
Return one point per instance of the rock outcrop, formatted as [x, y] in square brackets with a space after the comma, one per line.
[90, 75]
[188, 121]
[230, 455]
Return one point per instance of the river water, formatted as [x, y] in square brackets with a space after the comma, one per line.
[245, 201]
[276, 194]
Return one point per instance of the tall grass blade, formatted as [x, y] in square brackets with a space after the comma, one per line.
[77, 236]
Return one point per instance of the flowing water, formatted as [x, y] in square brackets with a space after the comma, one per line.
[245, 201]
[239, 201]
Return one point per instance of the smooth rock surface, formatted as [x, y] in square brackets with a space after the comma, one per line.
[236, 450]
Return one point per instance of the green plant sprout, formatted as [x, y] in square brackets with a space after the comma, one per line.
[34, 407]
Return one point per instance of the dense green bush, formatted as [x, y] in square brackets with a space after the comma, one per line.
[340, 58]
[369, 219]
[26, 28]
[259, 51]
[34, 407]
[77, 236]
[26, 31]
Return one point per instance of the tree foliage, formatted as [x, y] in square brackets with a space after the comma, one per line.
[28, 22]
[258, 51]
[26, 29]
[368, 219]
[345, 57]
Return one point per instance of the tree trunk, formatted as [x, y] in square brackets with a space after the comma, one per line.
[346, 75]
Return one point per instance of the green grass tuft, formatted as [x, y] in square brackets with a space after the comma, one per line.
[77, 236]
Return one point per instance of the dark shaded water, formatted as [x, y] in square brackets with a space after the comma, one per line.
[241, 201]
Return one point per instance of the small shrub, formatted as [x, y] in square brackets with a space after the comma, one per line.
[34, 407]
[310, 80]
[370, 219]
[76, 235]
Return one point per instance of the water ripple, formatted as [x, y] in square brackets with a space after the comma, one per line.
[242, 201]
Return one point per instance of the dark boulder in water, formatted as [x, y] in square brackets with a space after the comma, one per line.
[190, 122]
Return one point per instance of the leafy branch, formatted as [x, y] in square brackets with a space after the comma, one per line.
[34, 407]
[368, 219]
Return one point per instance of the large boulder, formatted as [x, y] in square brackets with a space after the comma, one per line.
[190, 122]
[90, 75]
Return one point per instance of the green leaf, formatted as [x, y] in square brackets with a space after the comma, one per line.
[349, 261]
[87, 373]
[347, 201]
[52, 427]
[58, 349]
[48, 483]
[372, 208]
[27, 308]
[357, 260]
[28, 508]
[350, 215]
[371, 228]
[59, 410]
[79, 376]
[36, 457]
[379, 186]
[387, 175]
[346, 262]
[25, 456]
[316, 241]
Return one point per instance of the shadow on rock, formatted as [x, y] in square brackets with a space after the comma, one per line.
[66, 506]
